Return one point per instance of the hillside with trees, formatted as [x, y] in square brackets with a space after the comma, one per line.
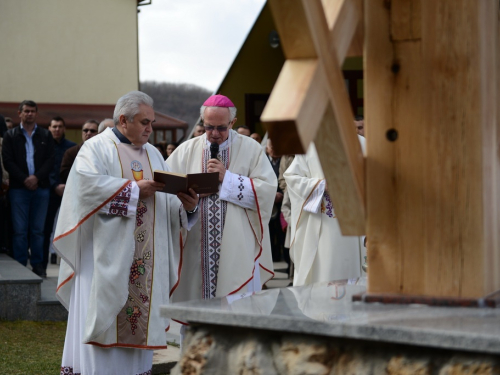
[179, 100]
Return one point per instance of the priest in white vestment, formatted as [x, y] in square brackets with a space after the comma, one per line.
[228, 250]
[119, 256]
[318, 249]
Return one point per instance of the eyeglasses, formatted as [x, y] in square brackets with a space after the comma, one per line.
[89, 130]
[220, 129]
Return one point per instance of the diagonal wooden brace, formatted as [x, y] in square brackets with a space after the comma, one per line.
[345, 172]
[299, 105]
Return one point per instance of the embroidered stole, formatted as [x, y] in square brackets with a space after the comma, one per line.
[212, 216]
[327, 206]
[133, 319]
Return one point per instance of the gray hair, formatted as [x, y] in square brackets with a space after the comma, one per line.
[128, 105]
[232, 112]
[104, 124]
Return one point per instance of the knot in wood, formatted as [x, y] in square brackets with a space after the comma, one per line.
[395, 68]
[392, 135]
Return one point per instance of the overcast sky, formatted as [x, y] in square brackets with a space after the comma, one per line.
[193, 41]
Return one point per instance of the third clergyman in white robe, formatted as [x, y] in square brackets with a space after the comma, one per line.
[318, 249]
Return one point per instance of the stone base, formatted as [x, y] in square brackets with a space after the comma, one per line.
[19, 301]
[20, 290]
[211, 349]
[51, 311]
[25, 296]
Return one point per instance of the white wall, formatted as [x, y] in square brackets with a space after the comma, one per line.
[68, 51]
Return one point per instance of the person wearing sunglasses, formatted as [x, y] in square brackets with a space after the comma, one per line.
[228, 249]
[89, 130]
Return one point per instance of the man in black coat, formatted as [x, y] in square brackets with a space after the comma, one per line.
[28, 156]
[57, 128]
[275, 231]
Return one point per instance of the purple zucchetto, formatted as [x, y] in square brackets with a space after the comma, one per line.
[218, 101]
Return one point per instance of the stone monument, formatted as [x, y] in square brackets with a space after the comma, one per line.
[426, 195]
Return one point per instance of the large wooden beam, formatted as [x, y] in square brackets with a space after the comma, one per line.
[490, 47]
[431, 93]
[381, 200]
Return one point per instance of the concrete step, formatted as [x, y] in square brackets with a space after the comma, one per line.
[280, 279]
[48, 306]
[26, 296]
[20, 290]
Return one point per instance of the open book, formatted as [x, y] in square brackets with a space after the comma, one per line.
[201, 183]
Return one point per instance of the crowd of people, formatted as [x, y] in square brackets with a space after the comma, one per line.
[126, 247]
[35, 163]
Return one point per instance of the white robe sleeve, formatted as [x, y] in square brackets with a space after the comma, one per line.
[313, 204]
[125, 203]
[188, 220]
[237, 189]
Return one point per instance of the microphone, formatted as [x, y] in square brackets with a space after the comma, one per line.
[214, 150]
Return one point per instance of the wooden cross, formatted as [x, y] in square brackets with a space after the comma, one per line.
[310, 102]
[427, 195]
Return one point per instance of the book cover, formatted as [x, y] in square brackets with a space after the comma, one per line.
[201, 183]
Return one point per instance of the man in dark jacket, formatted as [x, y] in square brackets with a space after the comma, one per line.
[89, 130]
[57, 128]
[276, 233]
[28, 156]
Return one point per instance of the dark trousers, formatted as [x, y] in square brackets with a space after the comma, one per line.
[54, 204]
[286, 258]
[277, 239]
[5, 226]
[28, 208]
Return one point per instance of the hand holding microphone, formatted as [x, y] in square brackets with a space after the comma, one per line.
[214, 165]
[214, 150]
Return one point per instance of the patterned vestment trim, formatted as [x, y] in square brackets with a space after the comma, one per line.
[85, 218]
[132, 322]
[327, 205]
[212, 215]
[119, 205]
[67, 370]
